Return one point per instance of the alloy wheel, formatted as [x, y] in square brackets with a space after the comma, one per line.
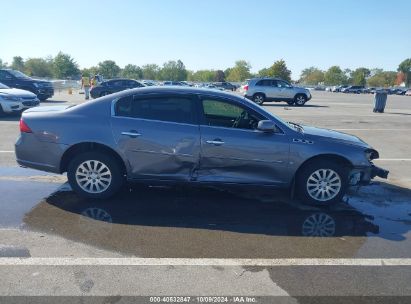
[93, 176]
[324, 184]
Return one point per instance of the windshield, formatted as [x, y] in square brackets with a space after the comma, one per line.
[18, 74]
[2, 86]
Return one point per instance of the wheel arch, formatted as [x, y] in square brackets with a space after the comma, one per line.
[339, 159]
[260, 93]
[90, 147]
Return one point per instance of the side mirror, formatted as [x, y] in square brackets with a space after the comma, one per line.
[266, 126]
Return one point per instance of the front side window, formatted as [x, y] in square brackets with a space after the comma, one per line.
[224, 114]
[172, 108]
[282, 84]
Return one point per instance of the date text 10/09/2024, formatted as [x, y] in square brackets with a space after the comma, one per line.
[203, 299]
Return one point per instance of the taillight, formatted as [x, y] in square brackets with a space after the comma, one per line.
[24, 128]
[246, 88]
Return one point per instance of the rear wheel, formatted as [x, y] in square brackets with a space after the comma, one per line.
[259, 98]
[95, 175]
[300, 100]
[322, 182]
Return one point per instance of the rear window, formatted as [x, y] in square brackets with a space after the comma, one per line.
[171, 108]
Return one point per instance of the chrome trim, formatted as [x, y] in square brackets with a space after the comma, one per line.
[215, 142]
[132, 134]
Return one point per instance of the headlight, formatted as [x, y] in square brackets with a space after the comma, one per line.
[371, 154]
[10, 98]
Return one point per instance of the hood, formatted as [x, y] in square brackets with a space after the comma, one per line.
[17, 93]
[331, 135]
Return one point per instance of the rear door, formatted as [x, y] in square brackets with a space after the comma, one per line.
[233, 151]
[159, 134]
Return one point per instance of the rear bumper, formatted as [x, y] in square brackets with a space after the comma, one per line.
[41, 155]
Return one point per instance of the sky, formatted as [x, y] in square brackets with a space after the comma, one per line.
[211, 34]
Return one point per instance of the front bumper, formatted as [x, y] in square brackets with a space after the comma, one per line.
[363, 176]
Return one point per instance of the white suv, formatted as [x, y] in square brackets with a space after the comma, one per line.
[261, 90]
[16, 100]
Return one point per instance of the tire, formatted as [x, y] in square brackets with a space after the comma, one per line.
[300, 100]
[322, 183]
[259, 98]
[290, 103]
[107, 182]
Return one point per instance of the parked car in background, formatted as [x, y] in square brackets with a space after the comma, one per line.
[353, 89]
[173, 83]
[337, 89]
[261, 90]
[18, 80]
[225, 85]
[408, 92]
[113, 86]
[16, 100]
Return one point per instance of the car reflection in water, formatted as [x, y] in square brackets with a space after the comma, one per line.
[163, 222]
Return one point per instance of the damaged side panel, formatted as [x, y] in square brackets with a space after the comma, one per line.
[161, 150]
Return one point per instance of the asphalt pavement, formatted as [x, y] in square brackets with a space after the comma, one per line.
[156, 241]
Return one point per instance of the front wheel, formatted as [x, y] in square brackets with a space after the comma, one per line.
[322, 183]
[95, 175]
[300, 100]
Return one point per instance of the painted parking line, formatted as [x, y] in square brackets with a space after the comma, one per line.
[6, 151]
[67, 261]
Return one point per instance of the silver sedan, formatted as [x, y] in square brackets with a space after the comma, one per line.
[188, 135]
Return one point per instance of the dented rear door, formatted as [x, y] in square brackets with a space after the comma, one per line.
[159, 136]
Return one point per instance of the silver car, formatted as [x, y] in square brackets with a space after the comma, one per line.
[261, 90]
[16, 100]
[188, 135]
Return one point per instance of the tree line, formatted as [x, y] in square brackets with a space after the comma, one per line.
[63, 66]
[360, 76]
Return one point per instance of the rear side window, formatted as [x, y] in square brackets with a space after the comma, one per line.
[5, 75]
[170, 108]
[264, 83]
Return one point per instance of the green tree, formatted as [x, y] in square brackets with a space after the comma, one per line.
[312, 76]
[2, 64]
[150, 71]
[89, 71]
[108, 68]
[405, 67]
[219, 76]
[39, 67]
[17, 64]
[64, 66]
[173, 70]
[264, 72]
[334, 76]
[359, 76]
[382, 79]
[239, 72]
[279, 69]
[203, 76]
[132, 71]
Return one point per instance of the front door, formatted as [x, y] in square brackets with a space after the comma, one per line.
[159, 135]
[234, 151]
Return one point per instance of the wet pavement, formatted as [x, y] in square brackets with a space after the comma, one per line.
[156, 222]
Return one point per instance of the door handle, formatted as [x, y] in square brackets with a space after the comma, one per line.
[131, 133]
[216, 142]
